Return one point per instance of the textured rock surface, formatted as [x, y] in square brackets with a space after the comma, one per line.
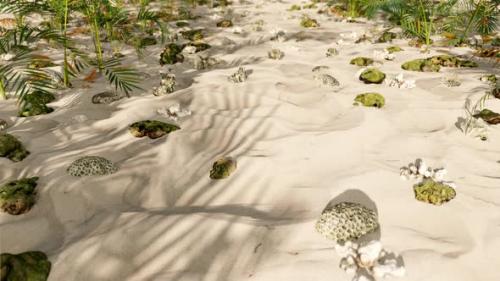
[222, 168]
[192, 35]
[225, 23]
[275, 54]
[36, 104]
[12, 148]
[151, 128]
[361, 61]
[17, 197]
[394, 49]
[346, 221]
[27, 266]
[433, 192]
[372, 76]
[239, 76]
[106, 98]
[91, 166]
[371, 99]
[489, 116]
[171, 54]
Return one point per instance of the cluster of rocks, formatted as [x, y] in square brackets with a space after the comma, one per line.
[167, 85]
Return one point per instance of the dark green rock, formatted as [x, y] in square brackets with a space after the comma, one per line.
[371, 99]
[387, 37]
[171, 54]
[192, 35]
[422, 65]
[225, 23]
[12, 148]
[393, 49]
[433, 64]
[36, 104]
[148, 41]
[433, 192]
[17, 197]
[27, 266]
[182, 23]
[151, 128]
[488, 116]
[361, 61]
[372, 76]
[200, 46]
[222, 168]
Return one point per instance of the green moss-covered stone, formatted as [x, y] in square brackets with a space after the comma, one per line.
[433, 64]
[182, 23]
[225, 23]
[200, 46]
[422, 65]
[394, 49]
[91, 166]
[488, 116]
[387, 37]
[309, 23]
[151, 128]
[294, 7]
[223, 168]
[346, 221]
[17, 197]
[433, 192]
[490, 78]
[372, 76]
[192, 35]
[171, 54]
[36, 104]
[148, 41]
[361, 61]
[371, 99]
[12, 148]
[27, 266]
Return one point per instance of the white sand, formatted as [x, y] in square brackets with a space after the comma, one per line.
[298, 145]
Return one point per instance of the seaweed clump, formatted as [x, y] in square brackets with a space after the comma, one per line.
[12, 148]
[27, 266]
[151, 128]
[433, 192]
[223, 168]
[17, 197]
[370, 100]
[171, 54]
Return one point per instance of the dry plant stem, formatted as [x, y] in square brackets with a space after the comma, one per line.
[91, 14]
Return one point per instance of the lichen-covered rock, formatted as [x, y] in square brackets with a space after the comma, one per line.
[106, 97]
[490, 78]
[326, 80]
[167, 85]
[91, 166]
[361, 61]
[36, 104]
[151, 128]
[27, 266]
[275, 54]
[434, 63]
[199, 46]
[393, 49]
[387, 37]
[3, 125]
[422, 65]
[346, 221]
[171, 54]
[12, 148]
[192, 35]
[223, 168]
[372, 76]
[488, 116]
[239, 76]
[433, 192]
[225, 23]
[308, 22]
[332, 52]
[17, 197]
[371, 99]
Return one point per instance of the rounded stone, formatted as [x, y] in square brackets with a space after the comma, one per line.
[91, 166]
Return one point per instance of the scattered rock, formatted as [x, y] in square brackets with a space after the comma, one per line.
[167, 85]
[434, 63]
[17, 197]
[91, 166]
[422, 65]
[36, 104]
[200, 46]
[148, 41]
[346, 221]
[239, 76]
[203, 62]
[171, 54]
[371, 100]
[393, 49]
[106, 97]
[332, 52]
[387, 37]
[12, 148]
[489, 78]
[308, 22]
[27, 266]
[3, 125]
[151, 128]
[225, 23]
[275, 54]
[372, 76]
[361, 61]
[432, 192]
[223, 168]
[488, 116]
[326, 80]
[320, 68]
[192, 35]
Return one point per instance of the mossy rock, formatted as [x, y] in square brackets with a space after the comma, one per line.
[12, 148]
[309, 23]
[106, 97]
[192, 35]
[451, 61]
[372, 76]
[294, 7]
[433, 192]
[223, 168]
[394, 49]
[200, 46]
[371, 99]
[151, 128]
[27, 266]
[490, 78]
[36, 104]
[225, 23]
[171, 54]
[91, 166]
[182, 24]
[148, 41]
[361, 61]
[17, 197]
[488, 116]
[421, 65]
[346, 221]
[419, 42]
[387, 37]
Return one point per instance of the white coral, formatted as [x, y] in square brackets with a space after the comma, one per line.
[383, 55]
[399, 82]
[419, 170]
[174, 112]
